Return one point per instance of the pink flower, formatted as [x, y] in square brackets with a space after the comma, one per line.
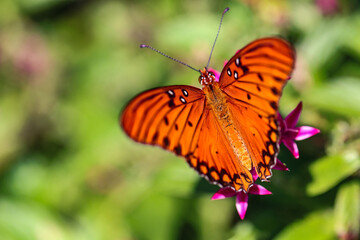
[241, 197]
[280, 166]
[33, 58]
[327, 7]
[289, 131]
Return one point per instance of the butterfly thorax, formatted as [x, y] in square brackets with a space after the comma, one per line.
[213, 93]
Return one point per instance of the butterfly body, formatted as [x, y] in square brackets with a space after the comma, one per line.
[228, 127]
[217, 103]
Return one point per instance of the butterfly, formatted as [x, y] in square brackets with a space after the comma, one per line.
[229, 126]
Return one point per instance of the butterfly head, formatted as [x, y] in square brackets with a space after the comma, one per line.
[206, 77]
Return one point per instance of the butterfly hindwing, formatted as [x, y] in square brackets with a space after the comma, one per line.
[260, 136]
[215, 159]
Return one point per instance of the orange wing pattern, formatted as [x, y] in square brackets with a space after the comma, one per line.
[253, 80]
[170, 117]
[215, 160]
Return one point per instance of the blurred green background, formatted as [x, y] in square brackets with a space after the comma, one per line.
[67, 171]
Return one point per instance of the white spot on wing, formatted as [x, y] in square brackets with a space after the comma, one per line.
[170, 92]
[182, 99]
[229, 72]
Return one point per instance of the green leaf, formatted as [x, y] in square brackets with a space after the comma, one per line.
[215, 217]
[318, 225]
[347, 209]
[154, 218]
[244, 230]
[338, 96]
[26, 220]
[330, 170]
[175, 172]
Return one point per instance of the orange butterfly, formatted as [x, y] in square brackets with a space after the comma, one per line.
[229, 126]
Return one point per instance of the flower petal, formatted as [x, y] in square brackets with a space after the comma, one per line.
[241, 204]
[291, 145]
[289, 135]
[259, 190]
[306, 132]
[280, 166]
[293, 117]
[223, 193]
[282, 123]
[254, 174]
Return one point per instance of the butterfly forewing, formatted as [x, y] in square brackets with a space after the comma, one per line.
[167, 116]
[269, 57]
[253, 80]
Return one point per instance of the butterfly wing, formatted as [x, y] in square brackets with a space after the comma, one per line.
[170, 117]
[178, 118]
[253, 80]
[215, 159]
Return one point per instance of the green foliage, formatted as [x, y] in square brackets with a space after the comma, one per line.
[347, 209]
[318, 225]
[330, 170]
[68, 171]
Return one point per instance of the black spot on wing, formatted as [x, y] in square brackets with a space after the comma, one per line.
[166, 120]
[166, 141]
[260, 77]
[273, 105]
[177, 149]
[275, 91]
[245, 69]
[155, 137]
[171, 103]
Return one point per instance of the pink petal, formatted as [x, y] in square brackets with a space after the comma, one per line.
[289, 135]
[280, 166]
[291, 145]
[259, 190]
[217, 74]
[282, 123]
[225, 62]
[306, 132]
[223, 193]
[241, 204]
[254, 174]
[293, 117]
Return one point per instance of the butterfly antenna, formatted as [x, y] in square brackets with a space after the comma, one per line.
[222, 16]
[174, 59]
